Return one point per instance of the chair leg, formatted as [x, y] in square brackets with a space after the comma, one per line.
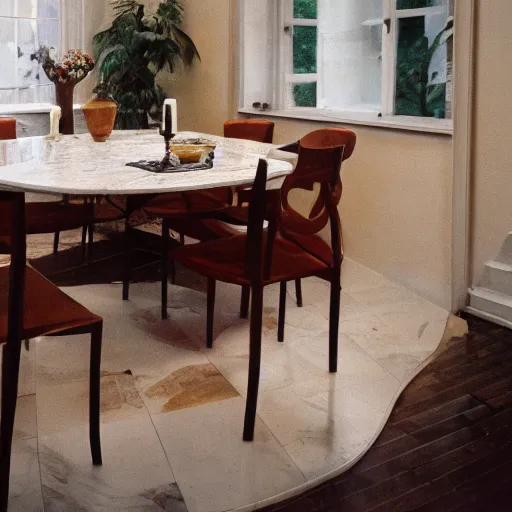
[182, 239]
[90, 232]
[298, 292]
[27, 345]
[254, 363]
[282, 311]
[244, 302]
[84, 242]
[334, 320]
[56, 238]
[210, 309]
[127, 261]
[165, 266]
[94, 394]
[10, 374]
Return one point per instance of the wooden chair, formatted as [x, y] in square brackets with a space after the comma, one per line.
[260, 258]
[31, 306]
[250, 129]
[188, 213]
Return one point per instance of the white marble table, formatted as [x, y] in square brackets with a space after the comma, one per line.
[78, 165]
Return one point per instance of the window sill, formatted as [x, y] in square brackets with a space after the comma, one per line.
[416, 124]
[29, 108]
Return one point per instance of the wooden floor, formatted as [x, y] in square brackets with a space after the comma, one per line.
[448, 442]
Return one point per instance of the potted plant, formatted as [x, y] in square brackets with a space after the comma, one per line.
[134, 50]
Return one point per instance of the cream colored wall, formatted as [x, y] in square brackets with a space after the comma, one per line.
[396, 205]
[98, 13]
[492, 143]
[203, 91]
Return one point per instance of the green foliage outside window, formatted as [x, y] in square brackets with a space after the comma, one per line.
[304, 49]
[414, 95]
[305, 95]
[416, 4]
[305, 9]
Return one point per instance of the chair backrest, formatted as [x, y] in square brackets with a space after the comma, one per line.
[250, 129]
[7, 128]
[15, 201]
[321, 154]
[256, 217]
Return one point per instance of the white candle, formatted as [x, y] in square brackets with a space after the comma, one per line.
[55, 115]
[174, 113]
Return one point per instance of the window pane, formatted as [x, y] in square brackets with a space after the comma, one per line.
[304, 95]
[31, 35]
[304, 49]
[350, 50]
[38, 8]
[305, 9]
[421, 73]
[7, 8]
[7, 53]
[418, 4]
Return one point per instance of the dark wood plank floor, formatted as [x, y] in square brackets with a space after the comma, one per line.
[448, 443]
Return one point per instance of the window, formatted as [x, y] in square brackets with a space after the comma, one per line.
[374, 57]
[25, 25]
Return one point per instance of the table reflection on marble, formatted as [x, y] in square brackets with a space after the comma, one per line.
[76, 164]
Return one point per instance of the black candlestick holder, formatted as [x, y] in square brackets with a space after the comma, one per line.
[167, 137]
[171, 162]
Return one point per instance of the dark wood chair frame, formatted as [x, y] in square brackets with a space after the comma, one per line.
[12, 351]
[259, 261]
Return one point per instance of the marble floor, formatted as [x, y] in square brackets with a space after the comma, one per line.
[172, 411]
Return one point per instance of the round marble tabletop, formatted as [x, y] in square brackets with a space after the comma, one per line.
[77, 165]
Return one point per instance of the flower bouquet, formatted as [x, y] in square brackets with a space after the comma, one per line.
[72, 69]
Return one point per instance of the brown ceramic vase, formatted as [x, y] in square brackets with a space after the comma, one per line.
[100, 116]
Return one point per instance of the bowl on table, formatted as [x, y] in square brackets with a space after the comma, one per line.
[190, 152]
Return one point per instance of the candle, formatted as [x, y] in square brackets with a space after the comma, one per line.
[170, 125]
[55, 115]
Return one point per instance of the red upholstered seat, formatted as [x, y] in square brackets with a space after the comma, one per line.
[46, 310]
[224, 260]
[7, 128]
[180, 204]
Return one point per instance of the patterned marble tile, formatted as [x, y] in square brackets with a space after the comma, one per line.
[190, 387]
[324, 423]
[356, 277]
[280, 366]
[25, 482]
[135, 474]
[25, 421]
[66, 406]
[214, 468]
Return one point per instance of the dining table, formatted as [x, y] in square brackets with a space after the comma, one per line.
[76, 165]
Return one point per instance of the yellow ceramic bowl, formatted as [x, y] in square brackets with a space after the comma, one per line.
[191, 153]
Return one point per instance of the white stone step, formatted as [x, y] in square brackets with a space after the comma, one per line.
[491, 305]
[498, 277]
[505, 255]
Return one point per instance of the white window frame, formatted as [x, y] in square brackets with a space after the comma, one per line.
[389, 48]
[280, 91]
[286, 77]
[71, 37]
